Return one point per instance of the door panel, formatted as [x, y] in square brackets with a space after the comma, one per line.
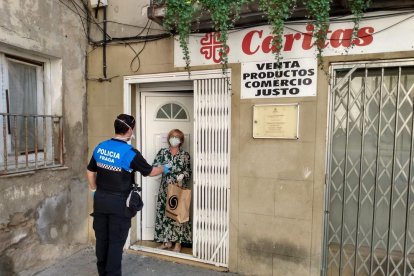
[162, 112]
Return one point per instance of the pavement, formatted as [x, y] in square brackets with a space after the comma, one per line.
[83, 263]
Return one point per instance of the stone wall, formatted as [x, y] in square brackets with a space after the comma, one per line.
[43, 214]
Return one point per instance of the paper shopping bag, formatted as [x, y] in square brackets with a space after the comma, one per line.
[178, 203]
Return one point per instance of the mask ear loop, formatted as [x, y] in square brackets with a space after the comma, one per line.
[132, 136]
[124, 123]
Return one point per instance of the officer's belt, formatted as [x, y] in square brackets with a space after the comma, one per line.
[124, 194]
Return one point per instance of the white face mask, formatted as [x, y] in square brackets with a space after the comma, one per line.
[174, 141]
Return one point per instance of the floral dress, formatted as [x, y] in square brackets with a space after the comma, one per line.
[166, 229]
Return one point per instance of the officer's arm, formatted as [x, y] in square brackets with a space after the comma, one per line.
[139, 163]
[156, 171]
[91, 179]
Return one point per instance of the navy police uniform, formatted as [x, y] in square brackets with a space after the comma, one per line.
[114, 162]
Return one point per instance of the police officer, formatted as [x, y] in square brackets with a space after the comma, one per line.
[110, 173]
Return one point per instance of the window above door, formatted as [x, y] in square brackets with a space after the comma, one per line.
[172, 111]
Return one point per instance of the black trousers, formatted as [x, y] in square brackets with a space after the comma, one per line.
[111, 224]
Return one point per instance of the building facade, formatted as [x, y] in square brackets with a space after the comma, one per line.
[43, 190]
[297, 169]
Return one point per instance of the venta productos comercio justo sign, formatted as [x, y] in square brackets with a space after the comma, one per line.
[287, 78]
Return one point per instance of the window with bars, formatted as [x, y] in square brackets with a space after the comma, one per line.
[30, 138]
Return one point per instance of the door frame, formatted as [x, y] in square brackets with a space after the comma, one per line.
[158, 80]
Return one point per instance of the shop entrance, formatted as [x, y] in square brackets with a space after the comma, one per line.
[369, 223]
[206, 98]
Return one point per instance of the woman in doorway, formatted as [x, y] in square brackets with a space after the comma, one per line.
[168, 231]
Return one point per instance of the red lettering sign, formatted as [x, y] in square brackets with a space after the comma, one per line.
[254, 40]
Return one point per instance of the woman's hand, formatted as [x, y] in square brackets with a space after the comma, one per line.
[180, 177]
[166, 169]
[180, 180]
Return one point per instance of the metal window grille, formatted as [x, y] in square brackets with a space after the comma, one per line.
[211, 170]
[30, 142]
[369, 223]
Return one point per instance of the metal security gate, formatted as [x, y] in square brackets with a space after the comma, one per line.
[211, 170]
[369, 222]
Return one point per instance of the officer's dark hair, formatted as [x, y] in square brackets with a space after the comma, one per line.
[123, 122]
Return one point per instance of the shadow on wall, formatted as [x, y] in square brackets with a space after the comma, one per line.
[6, 265]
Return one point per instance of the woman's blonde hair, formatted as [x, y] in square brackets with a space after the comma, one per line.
[178, 133]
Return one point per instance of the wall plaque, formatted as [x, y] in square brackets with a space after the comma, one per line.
[276, 121]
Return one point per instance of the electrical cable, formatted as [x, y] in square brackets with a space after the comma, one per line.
[139, 38]
[82, 17]
[136, 57]
[143, 29]
[115, 39]
[83, 25]
[337, 19]
[76, 12]
[129, 25]
[374, 33]
[87, 13]
[135, 38]
[91, 19]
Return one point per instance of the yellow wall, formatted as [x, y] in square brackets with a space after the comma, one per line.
[277, 186]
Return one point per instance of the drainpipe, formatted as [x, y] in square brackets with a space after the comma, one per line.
[104, 44]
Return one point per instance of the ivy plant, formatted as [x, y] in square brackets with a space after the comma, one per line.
[223, 14]
[318, 11]
[357, 8]
[277, 11]
[178, 18]
[180, 14]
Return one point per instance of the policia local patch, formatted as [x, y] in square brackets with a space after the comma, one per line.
[287, 78]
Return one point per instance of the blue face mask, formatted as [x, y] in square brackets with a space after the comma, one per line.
[174, 141]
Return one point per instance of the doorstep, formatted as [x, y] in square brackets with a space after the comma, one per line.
[175, 259]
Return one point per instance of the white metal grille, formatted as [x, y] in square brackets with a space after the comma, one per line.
[211, 170]
[370, 203]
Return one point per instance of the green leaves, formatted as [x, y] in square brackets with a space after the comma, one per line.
[178, 18]
[277, 11]
[224, 14]
[318, 12]
[358, 7]
[180, 15]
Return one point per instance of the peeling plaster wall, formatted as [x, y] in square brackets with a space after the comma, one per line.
[43, 215]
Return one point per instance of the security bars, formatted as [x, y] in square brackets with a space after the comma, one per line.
[370, 203]
[211, 170]
[30, 142]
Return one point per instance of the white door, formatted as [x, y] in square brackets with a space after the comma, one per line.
[161, 112]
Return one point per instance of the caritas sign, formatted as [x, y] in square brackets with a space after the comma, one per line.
[287, 78]
[377, 34]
